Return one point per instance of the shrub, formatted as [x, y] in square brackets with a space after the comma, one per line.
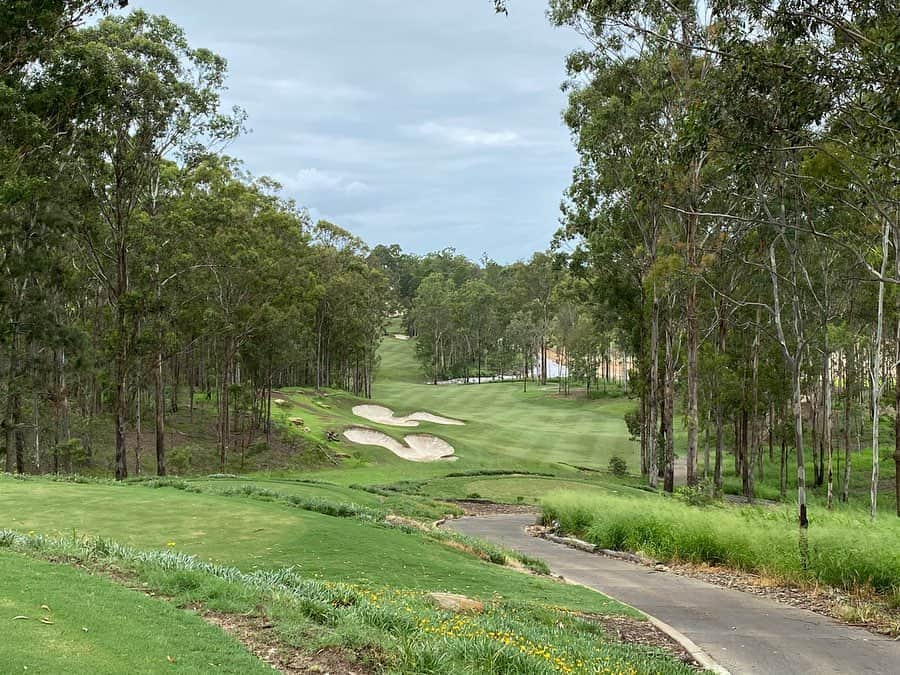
[72, 454]
[634, 420]
[618, 466]
[179, 460]
[701, 494]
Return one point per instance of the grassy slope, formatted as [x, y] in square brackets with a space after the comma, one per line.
[506, 429]
[101, 627]
[252, 534]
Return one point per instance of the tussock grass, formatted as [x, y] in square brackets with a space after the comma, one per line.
[839, 550]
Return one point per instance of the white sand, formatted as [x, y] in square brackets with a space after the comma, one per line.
[382, 415]
[430, 445]
[401, 336]
[418, 447]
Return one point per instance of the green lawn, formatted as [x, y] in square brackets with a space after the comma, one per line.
[101, 627]
[506, 429]
[252, 534]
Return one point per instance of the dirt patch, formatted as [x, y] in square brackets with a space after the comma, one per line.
[634, 632]
[256, 634]
[479, 508]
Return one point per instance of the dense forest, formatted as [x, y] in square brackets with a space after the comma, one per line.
[140, 265]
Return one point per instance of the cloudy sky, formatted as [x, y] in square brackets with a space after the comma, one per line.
[426, 123]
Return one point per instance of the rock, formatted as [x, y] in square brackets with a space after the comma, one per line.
[296, 421]
[455, 603]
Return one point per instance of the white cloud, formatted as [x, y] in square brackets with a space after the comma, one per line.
[331, 92]
[317, 181]
[467, 136]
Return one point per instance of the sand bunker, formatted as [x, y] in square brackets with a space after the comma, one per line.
[417, 447]
[401, 336]
[382, 415]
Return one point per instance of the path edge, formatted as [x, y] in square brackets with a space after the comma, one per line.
[692, 648]
[697, 653]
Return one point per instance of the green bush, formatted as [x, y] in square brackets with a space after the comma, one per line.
[618, 466]
[634, 420]
[178, 460]
[702, 494]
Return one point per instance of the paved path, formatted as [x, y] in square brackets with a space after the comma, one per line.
[743, 632]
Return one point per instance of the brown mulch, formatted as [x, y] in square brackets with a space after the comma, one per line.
[256, 634]
[480, 508]
[631, 631]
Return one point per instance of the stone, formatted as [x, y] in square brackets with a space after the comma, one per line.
[455, 603]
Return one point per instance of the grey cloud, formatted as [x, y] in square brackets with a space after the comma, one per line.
[428, 124]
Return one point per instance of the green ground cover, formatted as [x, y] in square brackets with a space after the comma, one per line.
[98, 626]
[514, 489]
[252, 534]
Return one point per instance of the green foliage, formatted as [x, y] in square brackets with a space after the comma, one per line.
[618, 466]
[179, 460]
[635, 423]
[701, 494]
[72, 454]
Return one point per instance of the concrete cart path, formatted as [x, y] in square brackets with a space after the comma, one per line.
[742, 632]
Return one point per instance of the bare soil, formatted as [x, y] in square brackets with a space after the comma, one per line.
[256, 634]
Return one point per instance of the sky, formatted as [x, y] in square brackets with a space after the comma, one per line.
[427, 123]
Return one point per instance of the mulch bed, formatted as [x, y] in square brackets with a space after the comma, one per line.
[484, 508]
[256, 634]
[634, 632]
